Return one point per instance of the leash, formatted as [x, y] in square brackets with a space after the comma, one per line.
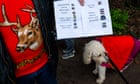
[118, 71]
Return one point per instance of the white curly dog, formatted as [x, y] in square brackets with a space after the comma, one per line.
[94, 50]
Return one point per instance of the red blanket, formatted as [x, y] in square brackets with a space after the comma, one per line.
[118, 48]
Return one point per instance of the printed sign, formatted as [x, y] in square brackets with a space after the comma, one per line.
[76, 21]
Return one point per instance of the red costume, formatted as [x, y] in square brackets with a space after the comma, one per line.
[30, 60]
[119, 49]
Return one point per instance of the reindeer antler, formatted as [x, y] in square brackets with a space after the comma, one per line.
[30, 9]
[6, 22]
[34, 20]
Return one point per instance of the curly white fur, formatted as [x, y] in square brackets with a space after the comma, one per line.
[94, 50]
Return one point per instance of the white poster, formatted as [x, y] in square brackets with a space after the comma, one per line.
[75, 21]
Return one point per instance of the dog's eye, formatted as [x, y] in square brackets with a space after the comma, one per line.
[99, 55]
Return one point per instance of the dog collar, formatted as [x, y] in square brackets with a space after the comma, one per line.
[107, 65]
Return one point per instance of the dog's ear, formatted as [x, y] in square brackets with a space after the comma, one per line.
[87, 55]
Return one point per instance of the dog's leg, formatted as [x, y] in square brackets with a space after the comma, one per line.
[102, 74]
[95, 71]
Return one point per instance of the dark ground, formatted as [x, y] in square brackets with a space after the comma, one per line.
[73, 71]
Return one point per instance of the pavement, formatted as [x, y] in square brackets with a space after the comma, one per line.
[73, 71]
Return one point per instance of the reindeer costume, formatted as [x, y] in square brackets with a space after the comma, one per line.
[21, 33]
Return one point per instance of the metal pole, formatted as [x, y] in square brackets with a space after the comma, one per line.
[118, 71]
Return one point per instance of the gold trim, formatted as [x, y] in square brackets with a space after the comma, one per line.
[30, 61]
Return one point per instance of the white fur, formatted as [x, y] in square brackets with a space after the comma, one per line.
[94, 50]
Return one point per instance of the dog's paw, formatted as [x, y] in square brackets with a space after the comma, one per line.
[95, 71]
[99, 81]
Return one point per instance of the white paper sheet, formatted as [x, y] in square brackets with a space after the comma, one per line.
[75, 21]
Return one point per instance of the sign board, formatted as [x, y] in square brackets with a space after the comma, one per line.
[76, 21]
